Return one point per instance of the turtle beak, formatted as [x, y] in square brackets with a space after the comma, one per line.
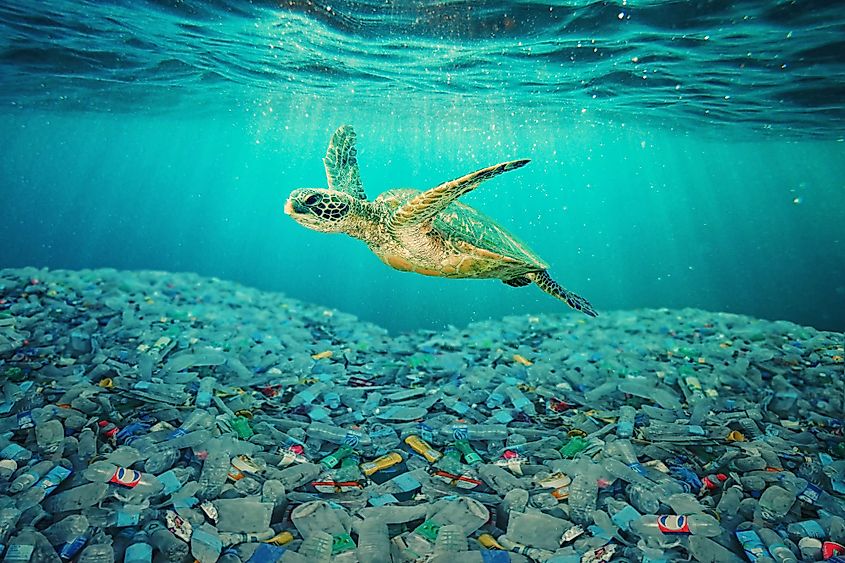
[288, 207]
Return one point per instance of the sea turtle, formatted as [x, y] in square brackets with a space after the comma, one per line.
[428, 232]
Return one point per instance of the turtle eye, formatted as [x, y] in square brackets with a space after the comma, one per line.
[312, 199]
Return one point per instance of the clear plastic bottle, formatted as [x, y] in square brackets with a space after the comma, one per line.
[336, 435]
[9, 517]
[174, 479]
[14, 451]
[373, 541]
[215, 470]
[142, 484]
[162, 460]
[317, 547]
[67, 529]
[780, 552]
[654, 525]
[625, 423]
[46, 485]
[451, 538]
[87, 447]
[199, 419]
[205, 392]
[497, 396]
[139, 550]
[583, 491]
[519, 401]
[31, 476]
[308, 395]
[476, 432]
[168, 545]
[76, 498]
[206, 545]
[774, 504]
[50, 436]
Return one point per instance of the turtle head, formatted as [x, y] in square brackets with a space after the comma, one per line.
[327, 211]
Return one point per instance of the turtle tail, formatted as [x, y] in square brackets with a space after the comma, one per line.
[550, 286]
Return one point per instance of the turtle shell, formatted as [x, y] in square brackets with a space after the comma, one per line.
[462, 223]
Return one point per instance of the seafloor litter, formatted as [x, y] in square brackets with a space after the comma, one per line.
[170, 417]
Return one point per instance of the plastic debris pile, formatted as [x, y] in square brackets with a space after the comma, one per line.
[162, 417]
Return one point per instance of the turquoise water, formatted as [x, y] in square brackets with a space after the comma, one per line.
[682, 154]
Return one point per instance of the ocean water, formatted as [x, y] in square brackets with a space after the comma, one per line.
[684, 154]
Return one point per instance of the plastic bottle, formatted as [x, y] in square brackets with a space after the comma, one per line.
[643, 498]
[774, 504]
[373, 541]
[140, 550]
[87, 447]
[31, 476]
[9, 517]
[205, 392]
[308, 395]
[705, 549]
[30, 545]
[451, 538]
[497, 396]
[371, 404]
[13, 451]
[66, 530]
[621, 513]
[50, 436]
[583, 491]
[215, 471]
[206, 544]
[337, 435]
[461, 409]
[476, 432]
[779, 551]
[625, 423]
[46, 485]
[199, 419]
[97, 552]
[317, 547]
[166, 543]
[653, 525]
[142, 484]
[77, 498]
[162, 460]
[174, 479]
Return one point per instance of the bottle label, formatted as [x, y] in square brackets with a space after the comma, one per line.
[811, 528]
[810, 494]
[124, 518]
[71, 548]
[671, 524]
[138, 552]
[53, 479]
[170, 481]
[126, 477]
[11, 451]
[25, 420]
[752, 544]
[19, 552]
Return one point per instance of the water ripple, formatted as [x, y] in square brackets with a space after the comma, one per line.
[768, 64]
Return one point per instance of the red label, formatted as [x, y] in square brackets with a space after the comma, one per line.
[829, 549]
[670, 524]
[126, 477]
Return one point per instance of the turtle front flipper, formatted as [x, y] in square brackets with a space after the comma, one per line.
[341, 163]
[550, 286]
[428, 204]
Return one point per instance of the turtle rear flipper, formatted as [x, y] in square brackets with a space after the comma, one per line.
[550, 286]
[428, 204]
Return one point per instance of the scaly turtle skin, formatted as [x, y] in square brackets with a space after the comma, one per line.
[428, 232]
